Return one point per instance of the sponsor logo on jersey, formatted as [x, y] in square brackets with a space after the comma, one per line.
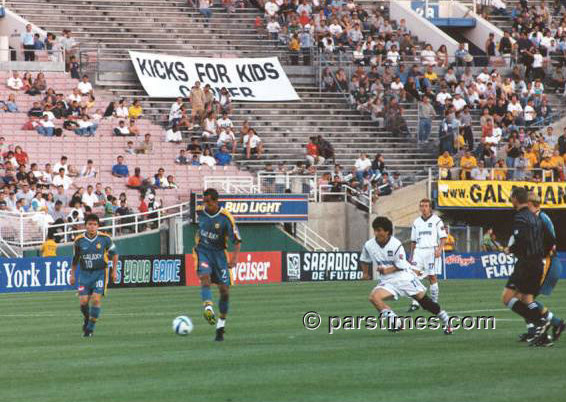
[204, 264]
[390, 253]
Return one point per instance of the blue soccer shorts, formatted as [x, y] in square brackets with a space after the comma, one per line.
[92, 282]
[213, 263]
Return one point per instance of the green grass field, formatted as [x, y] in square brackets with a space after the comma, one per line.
[268, 355]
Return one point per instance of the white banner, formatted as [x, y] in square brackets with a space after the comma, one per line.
[166, 76]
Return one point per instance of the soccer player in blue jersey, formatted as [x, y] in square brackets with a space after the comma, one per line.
[215, 226]
[91, 253]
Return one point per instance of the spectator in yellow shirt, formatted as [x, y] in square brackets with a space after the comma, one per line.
[541, 148]
[547, 168]
[135, 111]
[558, 165]
[450, 243]
[532, 157]
[295, 48]
[431, 75]
[49, 247]
[467, 163]
[500, 171]
[445, 163]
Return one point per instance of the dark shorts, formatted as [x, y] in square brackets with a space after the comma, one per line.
[92, 282]
[527, 276]
[213, 263]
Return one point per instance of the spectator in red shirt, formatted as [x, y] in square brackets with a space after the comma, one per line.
[21, 157]
[313, 154]
[136, 180]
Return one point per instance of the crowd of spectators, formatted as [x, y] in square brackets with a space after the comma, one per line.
[214, 140]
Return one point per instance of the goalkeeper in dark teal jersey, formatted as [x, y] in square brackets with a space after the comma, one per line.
[91, 253]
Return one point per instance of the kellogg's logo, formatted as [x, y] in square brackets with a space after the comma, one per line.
[457, 259]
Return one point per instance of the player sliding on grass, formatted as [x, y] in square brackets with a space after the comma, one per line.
[215, 226]
[397, 276]
[91, 254]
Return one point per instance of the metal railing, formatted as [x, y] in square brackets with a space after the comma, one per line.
[22, 230]
[232, 185]
[493, 173]
[346, 194]
[32, 59]
[312, 240]
[270, 183]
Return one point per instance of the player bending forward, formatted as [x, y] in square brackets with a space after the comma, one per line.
[91, 253]
[427, 242]
[215, 226]
[397, 276]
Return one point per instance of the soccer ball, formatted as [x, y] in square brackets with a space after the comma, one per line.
[182, 325]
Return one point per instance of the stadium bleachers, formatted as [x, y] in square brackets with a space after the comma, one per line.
[103, 148]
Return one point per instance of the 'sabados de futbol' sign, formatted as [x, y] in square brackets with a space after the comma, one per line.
[259, 208]
[257, 79]
[496, 194]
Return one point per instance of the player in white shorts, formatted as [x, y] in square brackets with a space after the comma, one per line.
[427, 242]
[397, 278]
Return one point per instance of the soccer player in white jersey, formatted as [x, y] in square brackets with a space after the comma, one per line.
[428, 236]
[397, 278]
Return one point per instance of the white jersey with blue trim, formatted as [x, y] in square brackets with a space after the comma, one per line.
[426, 233]
[391, 254]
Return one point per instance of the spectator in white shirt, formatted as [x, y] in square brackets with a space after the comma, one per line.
[273, 28]
[75, 96]
[271, 9]
[529, 113]
[62, 180]
[122, 110]
[362, 166]
[174, 135]
[85, 87]
[480, 172]
[61, 164]
[207, 159]
[252, 144]
[89, 198]
[15, 83]
[175, 112]
[459, 103]
[89, 171]
[122, 129]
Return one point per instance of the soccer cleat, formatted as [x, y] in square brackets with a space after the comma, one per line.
[448, 331]
[524, 337]
[209, 315]
[219, 334]
[88, 334]
[540, 333]
[544, 342]
[413, 307]
[557, 331]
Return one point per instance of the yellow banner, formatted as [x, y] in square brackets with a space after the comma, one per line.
[496, 194]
